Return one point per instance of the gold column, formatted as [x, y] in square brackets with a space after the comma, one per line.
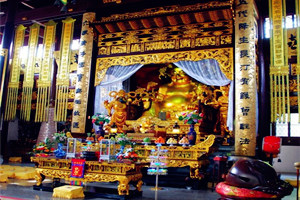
[29, 72]
[245, 78]
[13, 85]
[62, 79]
[83, 74]
[298, 53]
[4, 54]
[44, 82]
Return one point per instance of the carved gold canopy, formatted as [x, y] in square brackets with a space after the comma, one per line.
[224, 57]
[167, 35]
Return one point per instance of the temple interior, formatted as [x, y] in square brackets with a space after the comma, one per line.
[136, 99]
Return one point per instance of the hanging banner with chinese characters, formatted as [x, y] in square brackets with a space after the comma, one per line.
[245, 78]
[29, 72]
[83, 74]
[62, 78]
[279, 69]
[13, 85]
[298, 53]
[44, 82]
[292, 42]
[3, 61]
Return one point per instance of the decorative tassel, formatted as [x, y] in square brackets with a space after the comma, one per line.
[61, 103]
[13, 86]
[62, 81]
[44, 82]
[29, 73]
[279, 69]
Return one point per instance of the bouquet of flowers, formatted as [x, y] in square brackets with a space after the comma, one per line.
[129, 156]
[191, 118]
[100, 119]
[60, 137]
[122, 139]
[43, 148]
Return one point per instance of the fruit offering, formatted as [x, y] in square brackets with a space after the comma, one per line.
[171, 141]
[160, 140]
[147, 140]
[184, 141]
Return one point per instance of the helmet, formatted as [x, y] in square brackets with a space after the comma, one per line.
[257, 175]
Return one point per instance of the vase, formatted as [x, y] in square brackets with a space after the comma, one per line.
[100, 130]
[192, 135]
[119, 155]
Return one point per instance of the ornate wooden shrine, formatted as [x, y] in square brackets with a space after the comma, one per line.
[94, 172]
[166, 35]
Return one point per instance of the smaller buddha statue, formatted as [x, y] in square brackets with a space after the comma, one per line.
[119, 105]
[147, 126]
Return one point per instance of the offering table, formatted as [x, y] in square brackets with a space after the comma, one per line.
[178, 156]
[94, 172]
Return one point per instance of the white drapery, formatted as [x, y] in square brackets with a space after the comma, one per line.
[208, 72]
[112, 81]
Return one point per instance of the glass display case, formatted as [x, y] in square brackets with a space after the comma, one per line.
[73, 147]
[107, 150]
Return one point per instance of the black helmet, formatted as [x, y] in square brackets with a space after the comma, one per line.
[257, 175]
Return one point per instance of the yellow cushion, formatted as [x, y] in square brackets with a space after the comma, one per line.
[15, 159]
[6, 167]
[3, 178]
[9, 173]
[25, 175]
[68, 191]
[29, 168]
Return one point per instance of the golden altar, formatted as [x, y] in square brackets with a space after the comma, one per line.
[179, 156]
[94, 172]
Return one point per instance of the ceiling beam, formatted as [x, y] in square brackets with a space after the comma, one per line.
[100, 29]
[185, 18]
[213, 15]
[110, 28]
[172, 20]
[227, 14]
[158, 21]
[199, 17]
[51, 12]
[121, 26]
[134, 25]
[146, 23]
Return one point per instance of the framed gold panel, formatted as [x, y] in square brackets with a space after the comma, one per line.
[224, 56]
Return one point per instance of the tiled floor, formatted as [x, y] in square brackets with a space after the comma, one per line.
[24, 190]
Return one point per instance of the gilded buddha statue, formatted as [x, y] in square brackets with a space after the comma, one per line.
[175, 97]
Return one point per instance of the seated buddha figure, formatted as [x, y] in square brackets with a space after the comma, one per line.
[177, 96]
